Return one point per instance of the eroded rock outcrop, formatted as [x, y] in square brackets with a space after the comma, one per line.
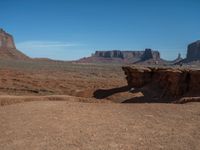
[8, 49]
[149, 54]
[144, 55]
[122, 56]
[164, 84]
[109, 54]
[6, 40]
[193, 52]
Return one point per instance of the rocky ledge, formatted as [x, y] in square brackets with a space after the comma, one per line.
[164, 84]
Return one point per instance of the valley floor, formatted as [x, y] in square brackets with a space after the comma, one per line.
[62, 105]
[74, 125]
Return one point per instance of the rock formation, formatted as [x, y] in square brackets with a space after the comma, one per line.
[122, 56]
[193, 52]
[6, 40]
[149, 54]
[164, 84]
[8, 49]
[109, 54]
[178, 60]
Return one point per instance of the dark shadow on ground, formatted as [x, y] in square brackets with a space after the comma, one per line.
[146, 99]
[150, 95]
[104, 93]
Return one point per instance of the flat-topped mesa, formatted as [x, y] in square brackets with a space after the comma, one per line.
[143, 55]
[164, 83]
[193, 52]
[124, 57]
[109, 54]
[6, 40]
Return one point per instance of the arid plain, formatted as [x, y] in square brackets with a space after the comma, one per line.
[85, 104]
[52, 105]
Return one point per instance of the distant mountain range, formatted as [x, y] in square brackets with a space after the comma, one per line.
[148, 56]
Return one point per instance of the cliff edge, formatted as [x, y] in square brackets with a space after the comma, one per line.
[164, 84]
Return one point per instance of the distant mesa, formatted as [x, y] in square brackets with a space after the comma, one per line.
[193, 52]
[148, 56]
[8, 49]
[118, 56]
[126, 55]
[109, 54]
[144, 57]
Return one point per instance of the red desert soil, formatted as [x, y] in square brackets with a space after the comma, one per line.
[74, 125]
[53, 106]
[60, 78]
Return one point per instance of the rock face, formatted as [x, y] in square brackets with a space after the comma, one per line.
[122, 56]
[6, 40]
[8, 49]
[166, 84]
[193, 52]
[109, 54]
[149, 54]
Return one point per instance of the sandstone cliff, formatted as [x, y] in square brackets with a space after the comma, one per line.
[6, 40]
[8, 49]
[164, 84]
[149, 54]
[193, 52]
[144, 55]
[122, 56]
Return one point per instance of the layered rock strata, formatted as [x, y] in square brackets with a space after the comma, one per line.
[164, 83]
[8, 49]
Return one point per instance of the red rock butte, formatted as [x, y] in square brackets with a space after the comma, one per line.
[8, 49]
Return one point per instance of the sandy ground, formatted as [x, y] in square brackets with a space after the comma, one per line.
[39, 78]
[63, 125]
[53, 106]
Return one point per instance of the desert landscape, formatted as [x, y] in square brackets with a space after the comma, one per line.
[99, 75]
[140, 103]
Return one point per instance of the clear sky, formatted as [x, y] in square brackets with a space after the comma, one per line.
[71, 29]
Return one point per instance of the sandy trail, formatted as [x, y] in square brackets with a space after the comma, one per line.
[73, 125]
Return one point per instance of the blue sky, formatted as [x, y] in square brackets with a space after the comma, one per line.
[71, 29]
